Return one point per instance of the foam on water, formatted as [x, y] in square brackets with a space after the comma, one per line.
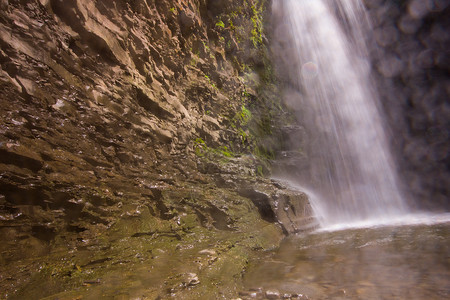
[404, 220]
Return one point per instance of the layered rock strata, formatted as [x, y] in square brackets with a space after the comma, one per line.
[125, 149]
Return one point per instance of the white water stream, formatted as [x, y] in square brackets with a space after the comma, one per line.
[370, 244]
[354, 178]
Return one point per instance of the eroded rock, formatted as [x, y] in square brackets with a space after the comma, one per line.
[103, 105]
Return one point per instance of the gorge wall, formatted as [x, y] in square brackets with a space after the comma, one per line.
[134, 141]
[411, 63]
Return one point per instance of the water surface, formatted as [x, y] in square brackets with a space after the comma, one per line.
[389, 262]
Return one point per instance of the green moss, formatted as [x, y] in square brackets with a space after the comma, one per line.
[257, 22]
[259, 171]
[210, 82]
[244, 116]
[220, 24]
[226, 152]
[202, 150]
[200, 147]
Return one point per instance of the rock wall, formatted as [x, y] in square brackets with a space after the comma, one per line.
[411, 63]
[134, 136]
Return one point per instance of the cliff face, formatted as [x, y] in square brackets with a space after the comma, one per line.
[128, 131]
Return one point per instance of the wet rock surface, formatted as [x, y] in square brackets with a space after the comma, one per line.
[108, 109]
[259, 293]
[185, 240]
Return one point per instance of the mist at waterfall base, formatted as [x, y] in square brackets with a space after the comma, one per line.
[341, 151]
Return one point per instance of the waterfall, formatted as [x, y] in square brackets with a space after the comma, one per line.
[322, 50]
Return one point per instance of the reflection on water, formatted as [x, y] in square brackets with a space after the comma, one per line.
[403, 262]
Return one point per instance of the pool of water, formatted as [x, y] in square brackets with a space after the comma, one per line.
[388, 262]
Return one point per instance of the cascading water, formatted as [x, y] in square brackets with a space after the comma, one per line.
[353, 174]
[368, 235]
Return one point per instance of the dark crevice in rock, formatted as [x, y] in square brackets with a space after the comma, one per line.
[221, 220]
[202, 218]
[97, 163]
[75, 228]
[158, 233]
[44, 233]
[97, 261]
[11, 158]
[151, 106]
[262, 202]
[163, 211]
[92, 218]
[23, 195]
[69, 13]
